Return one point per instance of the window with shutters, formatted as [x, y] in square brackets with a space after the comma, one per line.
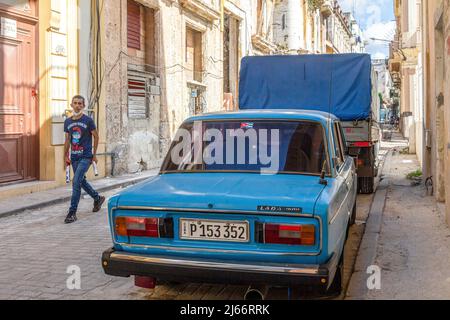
[143, 88]
[137, 95]
[134, 25]
[142, 62]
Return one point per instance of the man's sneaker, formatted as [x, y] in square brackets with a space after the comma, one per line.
[98, 204]
[71, 218]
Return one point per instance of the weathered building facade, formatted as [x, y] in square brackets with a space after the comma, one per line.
[339, 35]
[168, 60]
[298, 27]
[144, 67]
[436, 97]
[314, 27]
[419, 64]
[163, 63]
[358, 43]
[407, 64]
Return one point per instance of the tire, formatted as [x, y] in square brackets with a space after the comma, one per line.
[353, 216]
[366, 185]
[336, 286]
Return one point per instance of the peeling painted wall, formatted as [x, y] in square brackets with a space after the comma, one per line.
[148, 139]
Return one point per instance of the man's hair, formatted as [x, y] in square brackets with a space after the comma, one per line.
[79, 98]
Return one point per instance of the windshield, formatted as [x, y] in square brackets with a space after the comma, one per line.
[248, 146]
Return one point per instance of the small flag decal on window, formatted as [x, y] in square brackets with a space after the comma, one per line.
[247, 125]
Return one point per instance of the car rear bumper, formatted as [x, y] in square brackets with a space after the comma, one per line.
[123, 264]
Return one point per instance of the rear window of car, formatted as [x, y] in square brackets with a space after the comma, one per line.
[248, 146]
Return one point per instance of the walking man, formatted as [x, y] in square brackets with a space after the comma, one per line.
[80, 129]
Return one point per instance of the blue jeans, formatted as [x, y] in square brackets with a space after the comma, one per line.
[80, 168]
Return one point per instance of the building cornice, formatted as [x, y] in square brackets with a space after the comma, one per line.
[8, 13]
[201, 9]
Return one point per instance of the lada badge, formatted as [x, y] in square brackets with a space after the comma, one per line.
[280, 209]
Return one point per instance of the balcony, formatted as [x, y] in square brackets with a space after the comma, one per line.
[327, 8]
[263, 45]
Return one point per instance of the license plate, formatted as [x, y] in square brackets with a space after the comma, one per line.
[214, 230]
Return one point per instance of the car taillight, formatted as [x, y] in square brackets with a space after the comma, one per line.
[144, 227]
[363, 144]
[288, 234]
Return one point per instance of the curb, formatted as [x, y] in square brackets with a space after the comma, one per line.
[367, 252]
[47, 203]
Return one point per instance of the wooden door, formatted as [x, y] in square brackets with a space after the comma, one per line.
[19, 152]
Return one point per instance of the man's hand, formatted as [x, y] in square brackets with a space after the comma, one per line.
[94, 159]
[68, 161]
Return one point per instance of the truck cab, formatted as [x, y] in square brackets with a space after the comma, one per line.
[255, 197]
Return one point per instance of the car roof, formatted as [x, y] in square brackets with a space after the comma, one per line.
[278, 114]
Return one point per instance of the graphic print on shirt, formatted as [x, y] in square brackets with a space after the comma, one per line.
[77, 149]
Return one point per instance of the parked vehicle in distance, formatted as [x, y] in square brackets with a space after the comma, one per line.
[340, 84]
[267, 201]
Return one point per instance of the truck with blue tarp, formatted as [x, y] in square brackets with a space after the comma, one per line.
[340, 84]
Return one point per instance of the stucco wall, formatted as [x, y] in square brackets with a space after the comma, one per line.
[148, 139]
[437, 79]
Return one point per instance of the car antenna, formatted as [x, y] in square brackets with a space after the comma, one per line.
[323, 181]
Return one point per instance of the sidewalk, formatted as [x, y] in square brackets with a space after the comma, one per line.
[406, 236]
[19, 204]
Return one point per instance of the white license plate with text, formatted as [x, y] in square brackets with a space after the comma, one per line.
[214, 230]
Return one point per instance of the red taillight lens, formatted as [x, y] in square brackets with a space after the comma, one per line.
[290, 234]
[362, 144]
[137, 227]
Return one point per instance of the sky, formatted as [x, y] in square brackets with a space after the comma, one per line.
[376, 18]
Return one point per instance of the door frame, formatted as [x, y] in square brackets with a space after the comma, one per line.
[33, 20]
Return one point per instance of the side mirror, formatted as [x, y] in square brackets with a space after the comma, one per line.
[354, 152]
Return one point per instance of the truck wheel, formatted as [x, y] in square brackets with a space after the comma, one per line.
[336, 286]
[353, 216]
[366, 185]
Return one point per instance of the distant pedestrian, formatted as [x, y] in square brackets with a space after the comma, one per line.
[80, 130]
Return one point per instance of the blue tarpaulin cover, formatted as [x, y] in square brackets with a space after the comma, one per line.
[339, 84]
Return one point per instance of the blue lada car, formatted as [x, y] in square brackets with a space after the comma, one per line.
[249, 198]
